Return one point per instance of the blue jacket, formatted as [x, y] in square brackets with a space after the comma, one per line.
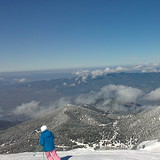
[47, 141]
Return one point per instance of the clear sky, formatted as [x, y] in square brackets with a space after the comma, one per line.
[52, 34]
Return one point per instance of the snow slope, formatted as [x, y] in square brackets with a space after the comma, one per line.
[153, 145]
[88, 154]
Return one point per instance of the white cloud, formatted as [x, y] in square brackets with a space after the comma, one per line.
[121, 94]
[34, 109]
[86, 98]
[83, 75]
[62, 102]
[111, 98]
[21, 80]
[127, 94]
[97, 73]
[115, 70]
[30, 109]
[65, 84]
[153, 67]
[153, 95]
[73, 85]
[84, 79]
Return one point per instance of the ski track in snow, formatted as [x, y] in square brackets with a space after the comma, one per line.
[90, 155]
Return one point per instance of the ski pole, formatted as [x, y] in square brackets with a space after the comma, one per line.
[38, 147]
[43, 156]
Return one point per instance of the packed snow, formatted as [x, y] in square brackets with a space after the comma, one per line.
[148, 150]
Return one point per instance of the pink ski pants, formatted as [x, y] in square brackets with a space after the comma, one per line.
[52, 155]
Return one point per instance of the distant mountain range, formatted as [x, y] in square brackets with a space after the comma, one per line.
[79, 126]
[19, 101]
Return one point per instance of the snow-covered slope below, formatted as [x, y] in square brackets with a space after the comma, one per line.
[153, 145]
[141, 127]
[148, 150]
[84, 154]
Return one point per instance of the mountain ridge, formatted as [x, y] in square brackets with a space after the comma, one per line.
[61, 121]
[78, 126]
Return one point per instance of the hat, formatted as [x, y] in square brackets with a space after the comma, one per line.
[43, 128]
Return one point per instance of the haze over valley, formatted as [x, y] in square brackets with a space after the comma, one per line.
[127, 89]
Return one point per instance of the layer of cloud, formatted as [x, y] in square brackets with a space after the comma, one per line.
[145, 68]
[153, 95]
[31, 109]
[61, 102]
[109, 98]
[83, 75]
[21, 80]
[121, 94]
[34, 109]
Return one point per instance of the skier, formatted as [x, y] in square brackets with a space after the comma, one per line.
[47, 141]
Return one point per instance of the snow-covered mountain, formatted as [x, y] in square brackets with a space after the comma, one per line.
[71, 124]
[83, 126]
[143, 126]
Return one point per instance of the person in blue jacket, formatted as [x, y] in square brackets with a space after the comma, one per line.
[47, 141]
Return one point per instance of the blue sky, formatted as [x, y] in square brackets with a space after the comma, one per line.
[53, 34]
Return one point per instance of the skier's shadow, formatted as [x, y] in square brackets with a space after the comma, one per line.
[66, 158]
